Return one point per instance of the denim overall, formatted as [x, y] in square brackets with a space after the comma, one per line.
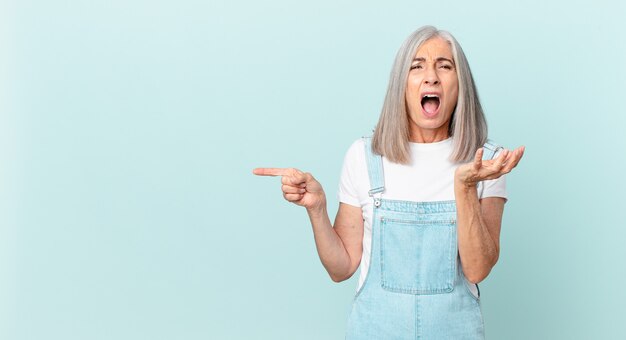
[415, 287]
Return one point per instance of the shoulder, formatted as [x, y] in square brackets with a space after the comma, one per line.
[359, 143]
[356, 150]
[354, 182]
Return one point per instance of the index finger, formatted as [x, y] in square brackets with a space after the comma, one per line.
[270, 171]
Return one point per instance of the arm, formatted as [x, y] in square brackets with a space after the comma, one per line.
[479, 221]
[339, 247]
[478, 232]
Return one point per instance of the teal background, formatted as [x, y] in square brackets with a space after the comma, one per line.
[129, 129]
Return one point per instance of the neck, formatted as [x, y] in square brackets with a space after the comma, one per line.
[428, 136]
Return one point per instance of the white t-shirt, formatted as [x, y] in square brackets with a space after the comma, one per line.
[429, 177]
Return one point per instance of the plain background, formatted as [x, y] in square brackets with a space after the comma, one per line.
[129, 129]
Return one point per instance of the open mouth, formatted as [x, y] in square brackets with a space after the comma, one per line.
[430, 103]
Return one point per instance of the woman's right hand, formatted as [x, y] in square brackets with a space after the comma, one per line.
[298, 187]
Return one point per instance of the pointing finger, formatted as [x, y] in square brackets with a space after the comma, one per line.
[270, 171]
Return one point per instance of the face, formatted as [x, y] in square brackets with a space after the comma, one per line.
[432, 91]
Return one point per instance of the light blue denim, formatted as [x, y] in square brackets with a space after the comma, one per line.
[415, 287]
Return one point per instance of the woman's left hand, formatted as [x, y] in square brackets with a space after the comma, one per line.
[469, 174]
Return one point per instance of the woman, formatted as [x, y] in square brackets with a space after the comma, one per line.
[421, 202]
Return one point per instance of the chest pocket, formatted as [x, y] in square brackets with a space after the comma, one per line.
[418, 257]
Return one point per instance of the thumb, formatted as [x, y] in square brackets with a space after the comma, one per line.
[478, 159]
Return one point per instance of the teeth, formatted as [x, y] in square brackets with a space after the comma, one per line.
[431, 96]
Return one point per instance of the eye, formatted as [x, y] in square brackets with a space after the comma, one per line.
[446, 66]
[416, 66]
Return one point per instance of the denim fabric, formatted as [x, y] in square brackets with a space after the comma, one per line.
[415, 287]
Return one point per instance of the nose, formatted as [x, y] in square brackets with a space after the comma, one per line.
[431, 77]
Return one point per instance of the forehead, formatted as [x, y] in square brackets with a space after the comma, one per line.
[434, 48]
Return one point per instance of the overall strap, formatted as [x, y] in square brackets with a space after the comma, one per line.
[374, 168]
[490, 149]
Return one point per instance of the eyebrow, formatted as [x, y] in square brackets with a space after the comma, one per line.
[420, 59]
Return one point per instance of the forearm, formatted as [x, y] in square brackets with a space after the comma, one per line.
[477, 248]
[330, 248]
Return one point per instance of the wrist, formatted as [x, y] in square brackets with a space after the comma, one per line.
[462, 179]
[465, 186]
[318, 210]
[461, 183]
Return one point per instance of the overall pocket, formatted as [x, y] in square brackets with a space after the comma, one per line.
[418, 257]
